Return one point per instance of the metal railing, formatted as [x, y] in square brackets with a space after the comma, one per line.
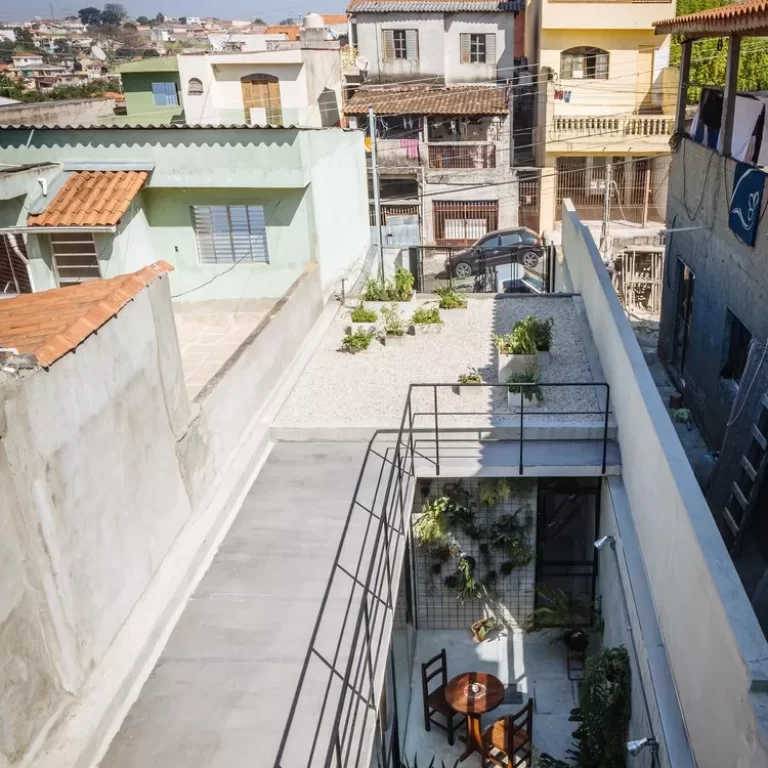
[462, 155]
[343, 709]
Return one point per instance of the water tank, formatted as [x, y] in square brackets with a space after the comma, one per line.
[313, 21]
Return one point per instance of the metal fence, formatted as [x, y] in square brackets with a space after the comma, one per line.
[505, 270]
[458, 222]
[462, 155]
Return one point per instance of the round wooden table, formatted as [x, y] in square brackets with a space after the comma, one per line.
[473, 694]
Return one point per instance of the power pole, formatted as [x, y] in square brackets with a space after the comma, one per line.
[605, 244]
[376, 192]
[53, 18]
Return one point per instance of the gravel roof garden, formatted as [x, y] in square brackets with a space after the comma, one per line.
[369, 388]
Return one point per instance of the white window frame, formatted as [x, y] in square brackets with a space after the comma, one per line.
[230, 234]
[83, 247]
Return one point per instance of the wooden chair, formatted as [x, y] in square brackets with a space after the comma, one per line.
[434, 700]
[509, 741]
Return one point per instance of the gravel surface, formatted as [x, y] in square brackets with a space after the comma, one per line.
[370, 388]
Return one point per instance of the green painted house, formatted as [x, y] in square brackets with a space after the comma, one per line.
[152, 90]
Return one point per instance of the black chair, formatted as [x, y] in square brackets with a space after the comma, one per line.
[434, 700]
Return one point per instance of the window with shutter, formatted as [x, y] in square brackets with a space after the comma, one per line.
[412, 44]
[262, 92]
[229, 234]
[195, 87]
[388, 44]
[490, 48]
[464, 48]
[584, 63]
[477, 49]
[75, 258]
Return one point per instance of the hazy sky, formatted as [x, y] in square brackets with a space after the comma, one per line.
[270, 10]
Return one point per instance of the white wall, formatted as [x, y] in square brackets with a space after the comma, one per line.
[717, 651]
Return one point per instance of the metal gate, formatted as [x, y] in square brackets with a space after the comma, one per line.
[462, 223]
[528, 202]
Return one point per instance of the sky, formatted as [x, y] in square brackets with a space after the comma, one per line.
[270, 10]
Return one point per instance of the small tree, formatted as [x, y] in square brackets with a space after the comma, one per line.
[142, 21]
[182, 19]
[160, 19]
[90, 16]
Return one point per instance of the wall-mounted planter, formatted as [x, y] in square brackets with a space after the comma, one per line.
[513, 401]
[475, 392]
[426, 329]
[510, 364]
[394, 341]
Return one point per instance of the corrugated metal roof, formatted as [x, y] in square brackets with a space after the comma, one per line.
[91, 199]
[734, 18]
[420, 100]
[166, 126]
[432, 6]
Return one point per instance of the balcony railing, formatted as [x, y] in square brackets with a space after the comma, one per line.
[576, 127]
[465, 154]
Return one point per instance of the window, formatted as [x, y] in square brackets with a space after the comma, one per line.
[75, 258]
[510, 240]
[683, 313]
[165, 94]
[262, 92]
[401, 44]
[737, 340]
[195, 87]
[584, 63]
[477, 49]
[229, 234]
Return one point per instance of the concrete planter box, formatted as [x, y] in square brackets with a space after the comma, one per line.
[474, 392]
[543, 358]
[355, 327]
[394, 341]
[509, 364]
[426, 329]
[513, 402]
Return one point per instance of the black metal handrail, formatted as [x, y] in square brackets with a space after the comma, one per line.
[388, 529]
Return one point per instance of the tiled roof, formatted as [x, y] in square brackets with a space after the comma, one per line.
[421, 100]
[290, 31]
[335, 18]
[432, 6]
[91, 198]
[51, 323]
[733, 18]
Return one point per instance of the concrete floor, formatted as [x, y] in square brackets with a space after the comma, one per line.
[528, 663]
[209, 333]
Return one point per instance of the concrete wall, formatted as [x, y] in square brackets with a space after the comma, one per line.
[76, 111]
[90, 521]
[728, 275]
[557, 14]
[716, 649]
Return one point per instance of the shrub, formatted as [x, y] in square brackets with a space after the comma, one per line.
[354, 342]
[527, 383]
[426, 316]
[361, 314]
[519, 342]
[472, 376]
[393, 323]
[449, 299]
[402, 290]
[376, 290]
[541, 331]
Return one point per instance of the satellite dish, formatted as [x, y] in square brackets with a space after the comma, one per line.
[362, 63]
[97, 53]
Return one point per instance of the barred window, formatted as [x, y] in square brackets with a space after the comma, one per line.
[229, 234]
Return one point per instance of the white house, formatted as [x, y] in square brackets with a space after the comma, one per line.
[24, 60]
[454, 42]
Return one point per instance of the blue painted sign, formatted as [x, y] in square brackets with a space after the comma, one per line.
[746, 200]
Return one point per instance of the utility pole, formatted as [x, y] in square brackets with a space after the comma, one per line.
[53, 18]
[605, 244]
[376, 192]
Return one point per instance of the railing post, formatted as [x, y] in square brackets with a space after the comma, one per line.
[437, 440]
[410, 434]
[522, 389]
[605, 425]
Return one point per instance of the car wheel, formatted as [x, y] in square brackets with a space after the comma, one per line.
[531, 259]
[462, 270]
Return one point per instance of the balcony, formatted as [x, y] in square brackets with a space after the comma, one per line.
[610, 133]
[398, 153]
[464, 155]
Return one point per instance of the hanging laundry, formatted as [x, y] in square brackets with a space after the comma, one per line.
[746, 113]
[411, 147]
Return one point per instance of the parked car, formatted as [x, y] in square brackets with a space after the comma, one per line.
[500, 247]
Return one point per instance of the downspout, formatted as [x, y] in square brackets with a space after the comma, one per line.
[24, 259]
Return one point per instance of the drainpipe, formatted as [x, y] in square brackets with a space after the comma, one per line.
[15, 248]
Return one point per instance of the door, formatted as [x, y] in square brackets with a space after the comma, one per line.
[683, 313]
[262, 91]
[644, 89]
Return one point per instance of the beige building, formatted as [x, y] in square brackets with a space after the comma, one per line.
[606, 95]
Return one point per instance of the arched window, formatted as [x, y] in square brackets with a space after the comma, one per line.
[262, 91]
[584, 63]
[195, 87]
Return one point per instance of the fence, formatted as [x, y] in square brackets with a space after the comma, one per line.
[462, 155]
[530, 269]
[458, 222]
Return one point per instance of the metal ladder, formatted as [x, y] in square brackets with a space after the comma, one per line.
[745, 489]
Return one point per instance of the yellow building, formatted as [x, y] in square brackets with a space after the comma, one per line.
[606, 95]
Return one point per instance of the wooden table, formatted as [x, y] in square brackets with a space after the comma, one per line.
[473, 694]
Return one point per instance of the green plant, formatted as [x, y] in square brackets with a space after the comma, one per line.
[467, 586]
[402, 290]
[445, 550]
[480, 629]
[430, 527]
[354, 342]
[472, 376]
[507, 567]
[519, 341]
[527, 383]
[540, 331]
[563, 613]
[361, 314]
[449, 299]
[492, 492]
[519, 551]
[426, 316]
[393, 323]
[376, 290]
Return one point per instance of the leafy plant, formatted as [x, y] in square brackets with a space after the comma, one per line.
[376, 290]
[445, 550]
[450, 299]
[426, 316]
[430, 527]
[507, 567]
[519, 551]
[527, 383]
[361, 314]
[472, 376]
[492, 492]
[402, 290]
[354, 342]
[520, 341]
[563, 613]
[540, 331]
[467, 586]
[393, 323]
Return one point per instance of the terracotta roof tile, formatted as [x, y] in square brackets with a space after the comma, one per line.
[733, 18]
[290, 31]
[335, 18]
[421, 100]
[51, 323]
[91, 198]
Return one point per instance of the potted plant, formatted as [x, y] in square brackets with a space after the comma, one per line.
[526, 383]
[450, 299]
[481, 628]
[394, 328]
[426, 320]
[363, 318]
[465, 582]
[541, 331]
[468, 384]
[564, 616]
[398, 289]
[357, 341]
[517, 352]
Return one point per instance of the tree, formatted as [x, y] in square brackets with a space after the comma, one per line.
[7, 47]
[149, 53]
[62, 46]
[142, 20]
[159, 19]
[90, 16]
[10, 88]
[113, 13]
[259, 22]
[129, 25]
[24, 39]
[182, 19]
